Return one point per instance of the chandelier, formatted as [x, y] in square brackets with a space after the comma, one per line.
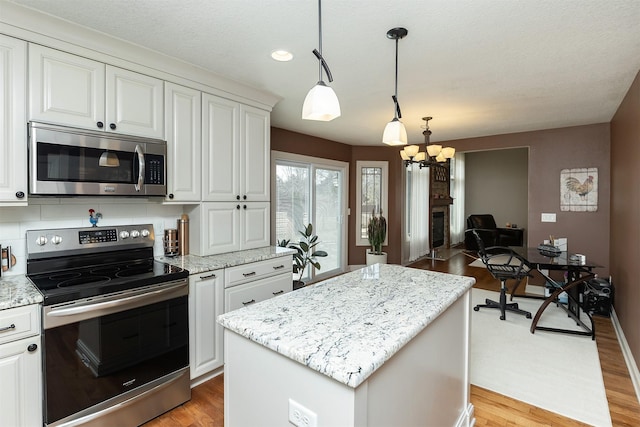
[433, 153]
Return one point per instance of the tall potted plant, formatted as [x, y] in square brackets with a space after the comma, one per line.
[305, 254]
[377, 233]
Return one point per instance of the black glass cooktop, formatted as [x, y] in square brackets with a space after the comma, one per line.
[71, 284]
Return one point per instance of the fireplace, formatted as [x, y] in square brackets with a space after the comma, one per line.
[437, 229]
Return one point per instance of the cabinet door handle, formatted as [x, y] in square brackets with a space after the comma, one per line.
[112, 126]
[253, 273]
[278, 292]
[8, 328]
[32, 347]
[208, 277]
[278, 267]
[249, 302]
[100, 125]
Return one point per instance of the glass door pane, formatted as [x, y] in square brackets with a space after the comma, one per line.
[312, 193]
[328, 218]
[292, 200]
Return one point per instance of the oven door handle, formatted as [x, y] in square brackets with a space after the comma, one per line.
[56, 316]
[141, 167]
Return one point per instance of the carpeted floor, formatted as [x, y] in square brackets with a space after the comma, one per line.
[557, 372]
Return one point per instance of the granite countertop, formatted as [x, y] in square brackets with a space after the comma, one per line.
[16, 291]
[199, 264]
[346, 327]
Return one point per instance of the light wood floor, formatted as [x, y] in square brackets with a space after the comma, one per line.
[491, 409]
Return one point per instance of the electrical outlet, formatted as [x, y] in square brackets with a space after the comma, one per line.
[300, 416]
[548, 217]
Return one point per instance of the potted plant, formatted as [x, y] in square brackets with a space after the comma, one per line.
[377, 233]
[305, 254]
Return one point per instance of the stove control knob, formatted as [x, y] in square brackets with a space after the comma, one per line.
[135, 234]
[124, 234]
[144, 232]
[56, 240]
[41, 240]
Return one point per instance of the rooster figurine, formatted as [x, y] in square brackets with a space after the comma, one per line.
[94, 217]
[582, 189]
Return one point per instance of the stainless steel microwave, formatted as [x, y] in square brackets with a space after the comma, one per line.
[66, 161]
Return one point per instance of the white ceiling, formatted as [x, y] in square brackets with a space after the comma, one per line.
[479, 67]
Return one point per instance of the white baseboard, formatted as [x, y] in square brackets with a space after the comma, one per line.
[626, 352]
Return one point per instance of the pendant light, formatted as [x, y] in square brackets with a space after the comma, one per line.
[395, 132]
[321, 103]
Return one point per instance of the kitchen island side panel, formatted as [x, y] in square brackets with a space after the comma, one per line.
[424, 383]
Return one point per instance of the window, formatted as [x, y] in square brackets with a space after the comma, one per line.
[311, 190]
[372, 189]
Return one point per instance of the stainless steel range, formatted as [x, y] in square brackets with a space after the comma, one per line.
[115, 325]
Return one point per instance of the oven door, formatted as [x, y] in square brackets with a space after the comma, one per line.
[101, 353]
[68, 161]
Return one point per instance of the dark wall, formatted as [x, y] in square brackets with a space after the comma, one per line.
[550, 151]
[625, 215]
[293, 142]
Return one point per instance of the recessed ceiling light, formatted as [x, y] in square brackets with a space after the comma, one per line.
[282, 55]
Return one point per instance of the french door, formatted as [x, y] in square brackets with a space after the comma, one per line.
[307, 190]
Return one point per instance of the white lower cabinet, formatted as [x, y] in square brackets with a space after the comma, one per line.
[257, 281]
[214, 292]
[20, 367]
[221, 227]
[206, 293]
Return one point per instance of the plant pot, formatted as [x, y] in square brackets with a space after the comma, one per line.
[376, 259]
[298, 284]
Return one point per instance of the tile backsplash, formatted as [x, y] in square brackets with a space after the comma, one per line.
[74, 212]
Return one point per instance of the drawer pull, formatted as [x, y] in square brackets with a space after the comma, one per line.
[8, 328]
[249, 302]
[253, 273]
[278, 293]
[208, 277]
[278, 267]
[32, 347]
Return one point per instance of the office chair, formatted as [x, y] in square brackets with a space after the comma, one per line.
[503, 264]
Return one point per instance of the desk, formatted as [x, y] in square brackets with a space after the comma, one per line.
[577, 274]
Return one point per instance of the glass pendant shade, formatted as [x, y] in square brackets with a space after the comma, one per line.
[411, 150]
[441, 158]
[321, 103]
[434, 149]
[421, 156]
[394, 133]
[404, 155]
[448, 152]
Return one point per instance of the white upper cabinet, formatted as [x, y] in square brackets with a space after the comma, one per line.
[71, 90]
[13, 122]
[255, 137]
[220, 148]
[183, 129]
[235, 145]
[135, 103]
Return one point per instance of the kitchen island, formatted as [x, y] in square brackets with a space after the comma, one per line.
[384, 345]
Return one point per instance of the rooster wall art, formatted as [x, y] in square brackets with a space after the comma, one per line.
[579, 190]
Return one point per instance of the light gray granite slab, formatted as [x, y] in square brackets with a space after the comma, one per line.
[346, 327]
[199, 264]
[16, 291]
